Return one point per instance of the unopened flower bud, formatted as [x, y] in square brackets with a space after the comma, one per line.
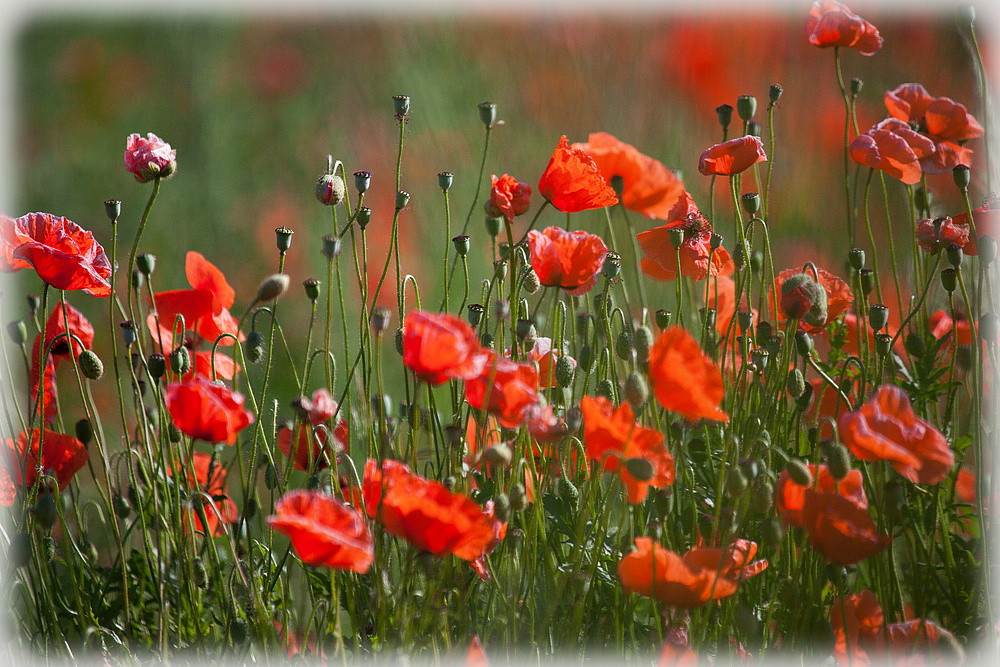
[636, 392]
[138, 280]
[565, 371]
[804, 298]
[180, 360]
[253, 347]
[640, 468]
[501, 507]
[623, 345]
[987, 249]
[531, 282]
[750, 202]
[586, 358]
[501, 309]
[606, 389]
[90, 365]
[493, 225]
[121, 506]
[803, 343]
[762, 497]
[499, 454]
[283, 239]
[803, 401]
[799, 472]
[567, 492]
[838, 461]
[746, 106]
[146, 263]
[772, 532]
[272, 287]
[989, 328]
[725, 114]
[45, 510]
[17, 331]
[962, 175]
[401, 106]
[113, 209]
[84, 431]
[642, 340]
[488, 114]
[397, 341]
[518, 497]
[330, 189]
[736, 482]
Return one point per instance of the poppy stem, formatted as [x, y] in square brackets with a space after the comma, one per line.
[847, 141]
[135, 245]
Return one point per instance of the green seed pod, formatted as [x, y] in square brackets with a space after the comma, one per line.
[636, 392]
[518, 497]
[362, 181]
[201, 578]
[283, 239]
[676, 235]
[90, 365]
[883, 344]
[856, 86]
[501, 507]
[271, 477]
[49, 544]
[895, 501]
[746, 106]
[750, 202]
[311, 287]
[878, 316]
[611, 267]
[962, 175]
[121, 506]
[725, 115]
[606, 389]
[662, 318]
[838, 461]
[397, 341]
[736, 483]
[568, 493]
[586, 358]
[774, 92]
[640, 468]
[799, 472]
[642, 340]
[402, 199]
[401, 105]
[565, 371]
[762, 497]
[180, 360]
[773, 345]
[488, 114]
[987, 249]
[867, 281]
[949, 280]
[623, 345]
[45, 510]
[856, 258]
[113, 209]
[914, 345]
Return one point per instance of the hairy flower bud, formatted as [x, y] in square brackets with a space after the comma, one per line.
[330, 190]
[90, 365]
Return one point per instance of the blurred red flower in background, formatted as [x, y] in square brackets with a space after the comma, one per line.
[149, 158]
[324, 531]
[572, 182]
[648, 187]
[986, 219]
[509, 197]
[839, 529]
[570, 260]
[439, 347]
[210, 477]
[207, 410]
[660, 261]
[961, 330]
[64, 254]
[893, 147]
[732, 157]
[947, 123]
[205, 307]
[933, 235]
[683, 378]
[833, 24]
[62, 456]
[311, 445]
[504, 388]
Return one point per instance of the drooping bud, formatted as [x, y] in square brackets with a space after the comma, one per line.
[253, 347]
[90, 365]
[45, 510]
[180, 360]
[146, 263]
[640, 468]
[799, 472]
[838, 461]
[17, 331]
[330, 190]
[636, 392]
[272, 287]
[565, 371]
[804, 298]
[642, 340]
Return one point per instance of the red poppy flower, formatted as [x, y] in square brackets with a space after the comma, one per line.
[477, 654]
[947, 123]
[439, 347]
[62, 456]
[885, 429]
[543, 425]
[210, 478]
[933, 237]
[941, 323]
[648, 187]
[570, 260]
[573, 183]
[324, 531]
[509, 197]
[689, 581]
[732, 157]
[856, 621]
[790, 497]
[833, 24]
[56, 325]
[683, 378]
[513, 390]
[986, 219]
[895, 148]
[612, 437]
[425, 513]
[207, 410]
[546, 356]
[311, 446]
[838, 296]
[660, 261]
[205, 307]
[149, 158]
[202, 361]
[840, 530]
[499, 532]
[63, 253]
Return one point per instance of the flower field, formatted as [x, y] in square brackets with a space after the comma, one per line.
[567, 397]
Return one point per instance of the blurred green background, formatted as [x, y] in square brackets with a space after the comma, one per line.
[254, 104]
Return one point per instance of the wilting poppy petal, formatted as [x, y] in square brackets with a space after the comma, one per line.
[439, 347]
[324, 531]
[833, 24]
[572, 182]
[570, 260]
[886, 429]
[62, 457]
[940, 118]
[509, 197]
[207, 410]
[933, 235]
[683, 378]
[732, 157]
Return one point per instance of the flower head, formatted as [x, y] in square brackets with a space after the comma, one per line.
[838, 297]
[504, 388]
[311, 446]
[570, 260]
[573, 183]
[149, 158]
[509, 197]
[683, 378]
[660, 261]
[691, 580]
[790, 497]
[207, 410]
[945, 122]
[648, 187]
[324, 531]
[833, 24]
[205, 307]
[61, 456]
[63, 253]
[439, 347]
[986, 219]
[732, 157]
[886, 429]
[895, 148]
[933, 235]
[210, 478]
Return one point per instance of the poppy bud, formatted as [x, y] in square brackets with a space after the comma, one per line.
[878, 316]
[380, 319]
[757, 261]
[895, 501]
[857, 258]
[640, 468]
[617, 184]
[49, 544]
[113, 209]
[461, 244]
[501, 507]
[774, 92]
[17, 332]
[636, 392]
[856, 86]
[923, 199]
[763, 331]
[146, 263]
[642, 340]
[530, 281]
[445, 179]
[524, 329]
[706, 527]
[798, 472]
[963, 357]
[989, 328]
[565, 371]
[34, 303]
[493, 225]
[746, 106]
[867, 281]
[948, 280]
[501, 309]
[201, 578]
[401, 105]
[606, 389]
[272, 287]
[283, 239]
[488, 114]
[838, 461]
[362, 181]
[739, 257]
[804, 298]
[676, 237]
[270, 476]
[474, 314]
[612, 267]
[518, 497]
[962, 175]
[914, 345]
[567, 492]
[84, 431]
[180, 360]
[574, 419]
[753, 129]
[90, 365]
[725, 114]
[987, 249]
[623, 345]
[803, 343]
[121, 506]
[736, 482]
[138, 280]
[486, 340]
[586, 358]
[253, 347]
[662, 317]
[330, 190]
[772, 532]
[45, 511]
[883, 344]
[397, 341]
[750, 202]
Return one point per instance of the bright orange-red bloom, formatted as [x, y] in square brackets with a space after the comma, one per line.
[324, 531]
[885, 429]
[509, 197]
[692, 580]
[546, 356]
[205, 307]
[683, 378]
[612, 437]
[833, 24]
[961, 330]
[477, 654]
[56, 326]
[570, 260]
[311, 446]
[933, 235]
[895, 148]
[732, 157]
[648, 187]
[946, 122]
[439, 347]
[210, 477]
[790, 497]
[839, 529]
[64, 254]
[62, 456]
[425, 513]
[660, 260]
[573, 183]
[207, 410]
[838, 296]
[987, 222]
[514, 389]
